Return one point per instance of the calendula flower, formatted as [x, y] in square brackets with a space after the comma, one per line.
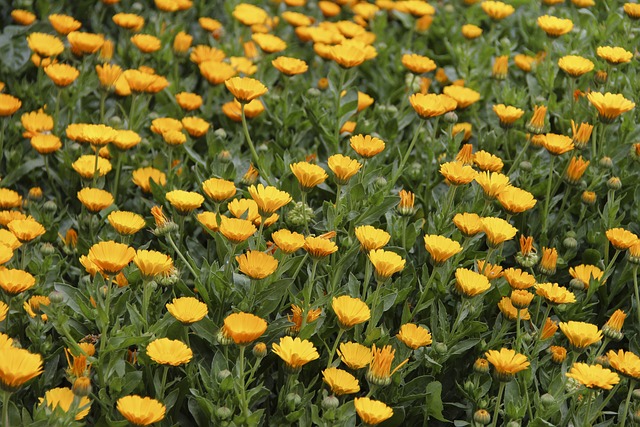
[63, 397]
[367, 146]
[295, 352]
[469, 283]
[521, 298]
[575, 170]
[209, 220]
[288, 241]
[463, 96]
[490, 271]
[487, 162]
[406, 207]
[548, 262]
[257, 265]
[85, 43]
[187, 310]
[609, 105]
[141, 411]
[614, 55]
[625, 363]
[581, 135]
[343, 167]
[249, 14]
[216, 72]
[17, 366]
[585, 273]
[511, 312]
[14, 282]
[371, 238]
[497, 10]
[558, 353]
[470, 31]
[441, 248]
[516, 200]
[146, 43]
[499, 71]
[613, 328]
[45, 45]
[184, 201]
[386, 263]
[8, 104]
[418, 64]
[593, 376]
[236, 230]
[182, 42]
[354, 355]
[507, 114]
[492, 183]
[61, 75]
[549, 329]
[553, 26]
[536, 123]
[575, 65]
[142, 177]
[348, 54]
[26, 229]
[308, 174]
[244, 208]
[340, 382]
[85, 166]
[632, 10]
[9, 199]
[269, 199]
[23, 17]
[290, 66]
[372, 412]
[296, 318]
[195, 126]
[350, 311]
[169, 352]
[219, 189]
[497, 230]
[111, 257]
[36, 122]
[95, 199]
[126, 223]
[468, 223]
[621, 239]
[432, 105]
[581, 334]
[557, 144]
[414, 336]
[379, 372]
[244, 328]
[245, 89]
[457, 173]
[465, 155]
[153, 263]
[507, 363]
[269, 43]
[319, 247]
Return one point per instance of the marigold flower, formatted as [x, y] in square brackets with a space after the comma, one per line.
[558, 353]
[6, 253]
[379, 372]
[614, 55]
[621, 239]
[414, 336]
[553, 26]
[549, 329]
[95, 199]
[372, 412]
[111, 257]
[469, 283]
[85, 166]
[497, 10]
[295, 352]
[354, 355]
[244, 328]
[350, 311]
[9, 239]
[470, 31]
[386, 263]
[507, 363]
[8, 104]
[492, 183]
[340, 382]
[499, 71]
[456, 173]
[555, 294]
[432, 105]
[245, 89]
[23, 17]
[36, 122]
[45, 45]
[153, 263]
[536, 124]
[575, 170]
[319, 247]
[343, 167]
[468, 223]
[371, 238]
[507, 114]
[487, 162]
[366, 145]
[195, 126]
[581, 135]
[26, 229]
[585, 273]
[609, 105]
[557, 144]
[441, 248]
[141, 411]
[17, 366]
[169, 352]
[269, 43]
[219, 189]
[575, 65]
[236, 230]
[593, 376]
[187, 310]
[418, 64]
[516, 200]
[521, 298]
[85, 42]
[63, 397]
[580, 334]
[257, 265]
[5, 218]
[632, 10]
[14, 282]
[309, 175]
[407, 202]
[625, 363]
[269, 199]
[508, 310]
[613, 328]
[249, 14]
[142, 177]
[9, 199]
[490, 271]
[463, 96]
[497, 230]
[184, 201]
[548, 262]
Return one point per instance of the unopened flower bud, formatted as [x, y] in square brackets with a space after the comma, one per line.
[224, 156]
[330, 402]
[260, 350]
[82, 387]
[312, 91]
[526, 166]
[636, 394]
[451, 117]
[481, 366]
[47, 248]
[606, 163]
[482, 417]
[588, 197]
[614, 183]
[35, 193]
[415, 171]
[576, 284]
[223, 339]
[56, 297]
[600, 77]
[380, 182]
[547, 399]
[223, 374]
[570, 243]
[469, 387]
[440, 348]
[220, 133]
[299, 214]
[50, 206]
[223, 413]
[293, 399]
[514, 423]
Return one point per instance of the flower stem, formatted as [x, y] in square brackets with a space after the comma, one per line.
[336, 132]
[519, 156]
[423, 293]
[545, 213]
[146, 298]
[5, 409]
[405, 159]
[623, 421]
[496, 411]
[184, 260]
[254, 154]
[307, 292]
[116, 183]
[335, 347]
[243, 392]
[304, 211]
[637, 291]
[164, 383]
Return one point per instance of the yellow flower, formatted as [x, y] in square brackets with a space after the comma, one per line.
[558, 353]
[14, 282]
[367, 146]
[128, 21]
[244, 328]
[256, 264]
[187, 310]
[45, 45]
[581, 135]
[36, 122]
[244, 208]
[288, 241]
[380, 372]
[441, 248]
[609, 105]
[153, 263]
[269, 199]
[386, 263]
[557, 144]
[348, 55]
[61, 74]
[141, 411]
[487, 162]
[457, 173]
[319, 247]
[407, 202]
[354, 355]
[585, 273]
[575, 65]
[632, 10]
[189, 101]
[470, 283]
[496, 9]
[516, 200]
[208, 220]
[169, 352]
[507, 363]
[621, 239]
[468, 223]
[613, 328]
[308, 174]
[343, 167]
[614, 55]
[536, 124]
[85, 42]
[236, 230]
[418, 64]
[17, 366]
[7, 238]
[554, 27]
[63, 397]
[85, 166]
[350, 311]
[555, 294]
[26, 229]
[295, 352]
[216, 72]
[491, 271]
[108, 74]
[549, 329]
[197, 127]
[497, 230]
[249, 14]
[372, 412]
[581, 334]
[182, 42]
[8, 104]
[290, 66]
[23, 17]
[269, 43]
[507, 114]
[142, 177]
[111, 257]
[126, 223]
[470, 31]
[463, 96]
[509, 311]
[492, 183]
[184, 201]
[525, 62]
[432, 105]
[245, 89]
[341, 382]
[593, 376]
[95, 199]
[138, 81]
[499, 72]
[9, 199]
[521, 298]
[296, 318]
[625, 363]
[371, 238]
[575, 170]
[414, 336]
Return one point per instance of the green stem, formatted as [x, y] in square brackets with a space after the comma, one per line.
[243, 392]
[518, 330]
[545, 216]
[519, 156]
[146, 298]
[95, 166]
[589, 402]
[3, 128]
[103, 98]
[307, 292]
[374, 304]
[496, 411]
[134, 98]
[304, 212]
[623, 421]
[335, 347]
[164, 383]
[116, 183]
[5, 409]
[405, 158]
[57, 110]
[423, 293]
[254, 154]
[184, 260]
[637, 291]
[336, 132]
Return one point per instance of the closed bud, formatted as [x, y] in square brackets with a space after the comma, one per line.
[56, 297]
[514, 423]
[223, 413]
[223, 374]
[220, 133]
[50, 206]
[482, 417]
[262, 148]
[636, 395]
[82, 387]
[115, 121]
[614, 183]
[606, 163]
[576, 284]
[588, 197]
[526, 166]
[380, 182]
[169, 279]
[469, 387]
[260, 350]
[47, 248]
[330, 402]
[451, 117]
[224, 340]
[293, 400]
[547, 399]
[299, 215]
[415, 171]
[224, 156]
[440, 348]
[481, 366]
[35, 193]
[312, 91]
[600, 77]
[570, 243]
[635, 151]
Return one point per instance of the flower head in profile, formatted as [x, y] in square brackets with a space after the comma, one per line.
[45, 45]
[557, 144]
[508, 310]
[288, 241]
[414, 336]
[343, 167]
[341, 382]
[497, 230]
[432, 105]
[95, 199]
[610, 105]
[507, 363]
[507, 114]
[621, 239]
[470, 31]
[126, 223]
[372, 412]
[17, 366]
[515, 200]
[256, 264]
[625, 363]
[9, 104]
[371, 238]
[236, 230]
[497, 10]
[553, 26]
[85, 166]
[244, 328]
[468, 223]
[187, 310]
[581, 134]
[457, 173]
[555, 294]
[153, 263]
[295, 352]
[593, 376]
[111, 257]
[367, 146]
[469, 283]
[441, 248]
[308, 174]
[355, 356]
[169, 352]
[492, 183]
[61, 75]
[575, 65]
[585, 273]
[581, 334]
[348, 55]
[289, 66]
[296, 318]
[614, 55]
[350, 311]
[63, 397]
[184, 201]
[141, 411]
[418, 64]
[245, 89]
[269, 199]
[386, 263]
[26, 229]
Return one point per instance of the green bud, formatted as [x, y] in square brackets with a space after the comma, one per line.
[47, 248]
[547, 399]
[223, 413]
[50, 206]
[440, 348]
[451, 117]
[482, 417]
[526, 166]
[570, 243]
[330, 402]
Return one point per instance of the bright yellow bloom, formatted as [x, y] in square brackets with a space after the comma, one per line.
[95, 199]
[269, 43]
[610, 105]
[354, 355]
[487, 162]
[367, 146]
[319, 247]
[108, 74]
[593, 376]
[558, 353]
[585, 273]
[463, 96]
[256, 264]
[128, 21]
[407, 202]
[371, 238]
[111, 257]
[249, 14]
[146, 43]
[441, 248]
[36, 122]
[85, 42]
[468, 223]
[386, 263]
[126, 223]
[245, 89]
[343, 167]
[380, 372]
[509, 311]
[516, 200]
[492, 183]
[621, 239]
[197, 127]
[296, 318]
[581, 135]
[632, 10]
[45, 45]
[614, 55]
[14, 282]
[497, 230]
[372, 412]
[308, 174]
[341, 382]
[470, 283]
[269, 199]
[141, 411]
[153, 263]
[499, 72]
[575, 170]
[236, 230]
[418, 64]
[348, 55]
[557, 144]
[414, 336]
[432, 105]
[581, 334]
[549, 329]
[295, 352]
[26, 229]
[553, 26]
[555, 294]
[350, 311]
[187, 310]
[470, 31]
[142, 177]
[23, 17]
[457, 173]
[507, 114]
[496, 9]
[17, 366]
[288, 241]
[61, 74]
[507, 363]
[8, 104]
[169, 352]
[9, 199]
[575, 65]
[184, 201]
[244, 328]
[613, 328]
[85, 166]
[491, 271]
[521, 298]
[625, 363]
[62, 397]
